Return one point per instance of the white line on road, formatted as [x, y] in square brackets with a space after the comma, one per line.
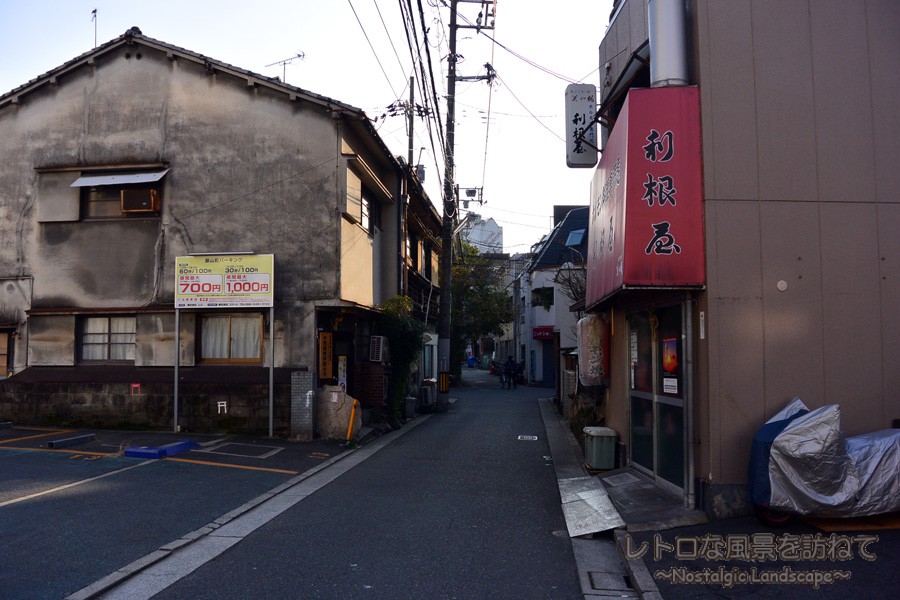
[73, 484]
[160, 569]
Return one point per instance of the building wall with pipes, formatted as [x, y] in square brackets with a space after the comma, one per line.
[801, 207]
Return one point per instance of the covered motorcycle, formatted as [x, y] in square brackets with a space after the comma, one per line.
[801, 464]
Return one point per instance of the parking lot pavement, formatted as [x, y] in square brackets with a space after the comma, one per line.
[244, 452]
[61, 505]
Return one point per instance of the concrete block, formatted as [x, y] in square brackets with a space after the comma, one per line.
[145, 452]
[161, 451]
[72, 441]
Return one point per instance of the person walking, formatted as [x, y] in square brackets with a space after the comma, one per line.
[509, 372]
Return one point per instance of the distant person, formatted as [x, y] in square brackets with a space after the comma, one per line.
[509, 372]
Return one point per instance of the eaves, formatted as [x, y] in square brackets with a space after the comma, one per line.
[133, 37]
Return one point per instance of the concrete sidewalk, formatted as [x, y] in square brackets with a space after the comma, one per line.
[602, 569]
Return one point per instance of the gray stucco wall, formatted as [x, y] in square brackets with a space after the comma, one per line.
[250, 170]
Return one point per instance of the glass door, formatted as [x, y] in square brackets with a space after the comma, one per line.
[657, 388]
[641, 390]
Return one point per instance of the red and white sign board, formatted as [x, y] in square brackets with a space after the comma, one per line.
[646, 223]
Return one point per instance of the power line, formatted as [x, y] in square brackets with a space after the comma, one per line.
[390, 39]
[522, 104]
[374, 53]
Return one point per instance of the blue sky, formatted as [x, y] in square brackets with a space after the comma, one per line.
[516, 156]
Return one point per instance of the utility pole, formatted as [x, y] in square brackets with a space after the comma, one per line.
[446, 276]
[484, 21]
[404, 217]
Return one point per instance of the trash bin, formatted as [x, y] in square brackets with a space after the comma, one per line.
[600, 448]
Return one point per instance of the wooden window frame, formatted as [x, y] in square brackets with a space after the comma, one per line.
[108, 344]
[229, 360]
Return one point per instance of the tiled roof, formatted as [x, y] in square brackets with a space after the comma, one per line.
[555, 251]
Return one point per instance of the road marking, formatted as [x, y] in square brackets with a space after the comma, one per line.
[230, 466]
[73, 484]
[62, 450]
[31, 437]
[156, 573]
[272, 450]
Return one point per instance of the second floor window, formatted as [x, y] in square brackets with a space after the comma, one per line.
[115, 195]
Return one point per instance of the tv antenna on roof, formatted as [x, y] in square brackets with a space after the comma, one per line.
[284, 63]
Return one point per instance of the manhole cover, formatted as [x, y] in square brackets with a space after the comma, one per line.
[620, 479]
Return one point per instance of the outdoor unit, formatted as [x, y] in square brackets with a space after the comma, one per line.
[378, 350]
[140, 201]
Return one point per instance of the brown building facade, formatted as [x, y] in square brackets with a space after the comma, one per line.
[800, 204]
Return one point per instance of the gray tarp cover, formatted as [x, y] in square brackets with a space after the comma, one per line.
[814, 469]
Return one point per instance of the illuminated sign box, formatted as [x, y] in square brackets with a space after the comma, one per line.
[646, 227]
[225, 281]
[544, 332]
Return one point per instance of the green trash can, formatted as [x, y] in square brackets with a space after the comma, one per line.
[600, 448]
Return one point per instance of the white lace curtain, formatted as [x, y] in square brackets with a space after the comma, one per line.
[231, 337]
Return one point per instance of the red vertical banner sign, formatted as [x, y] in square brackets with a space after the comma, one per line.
[647, 199]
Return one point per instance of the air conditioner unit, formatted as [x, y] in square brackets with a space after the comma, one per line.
[378, 350]
[136, 201]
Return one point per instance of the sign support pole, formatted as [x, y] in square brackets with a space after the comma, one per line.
[271, 371]
[177, 361]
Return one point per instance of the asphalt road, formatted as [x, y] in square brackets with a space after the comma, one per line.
[457, 505]
[460, 507]
[69, 517]
[56, 543]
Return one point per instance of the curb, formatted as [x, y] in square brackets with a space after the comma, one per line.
[101, 586]
[642, 581]
[640, 576]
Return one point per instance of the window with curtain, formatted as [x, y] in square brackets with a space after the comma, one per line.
[5, 354]
[108, 338]
[235, 338]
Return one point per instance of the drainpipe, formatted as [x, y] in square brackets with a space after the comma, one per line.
[667, 30]
[668, 43]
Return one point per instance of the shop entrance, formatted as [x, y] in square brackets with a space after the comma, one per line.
[657, 390]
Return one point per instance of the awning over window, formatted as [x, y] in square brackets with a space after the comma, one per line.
[122, 178]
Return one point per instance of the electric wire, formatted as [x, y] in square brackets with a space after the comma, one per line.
[425, 82]
[440, 128]
[390, 39]
[522, 104]
[374, 53]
